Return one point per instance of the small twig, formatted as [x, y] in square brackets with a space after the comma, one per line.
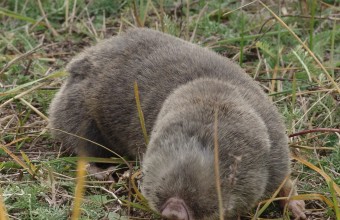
[315, 130]
[49, 26]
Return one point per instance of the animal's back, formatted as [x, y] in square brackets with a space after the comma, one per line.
[159, 63]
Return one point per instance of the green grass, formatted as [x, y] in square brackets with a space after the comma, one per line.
[40, 183]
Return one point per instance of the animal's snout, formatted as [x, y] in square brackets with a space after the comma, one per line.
[175, 209]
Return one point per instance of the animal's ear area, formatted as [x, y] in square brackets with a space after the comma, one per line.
[79, 67]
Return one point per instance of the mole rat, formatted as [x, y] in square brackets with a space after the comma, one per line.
[182, 88]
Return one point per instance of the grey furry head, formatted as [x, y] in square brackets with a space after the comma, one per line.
[179, 162]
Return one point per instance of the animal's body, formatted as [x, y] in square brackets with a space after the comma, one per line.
[181, 87]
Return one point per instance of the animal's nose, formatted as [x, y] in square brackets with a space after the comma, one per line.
[175, 209]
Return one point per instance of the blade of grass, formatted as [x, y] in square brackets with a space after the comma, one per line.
[135, 188]
[16, 89]
[331, 58]
[267, 202]
[304, 46]
[242, 6]
[19, 16]
[321, 172]
[242, 42]
[34, 109]
[217, 168]
[197, 21]
[67, 11]
[3, 212]
[334, 199]
[309, 109]
[135, 13]
[21, 94]
[187, 14]
[28, 161]
[49, 26]
[248, 37]
[303, 65]
[140, 114]
[312, 24]
[80, 186]
[293, 92]
[22, 56]
[311, 196]
[14, 157]
[73, 15]
[90, 159]
[52, 184]
[138, 206]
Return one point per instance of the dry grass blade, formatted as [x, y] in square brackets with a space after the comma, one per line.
[67, 10]
[53, 31]
[22, 56]
[311, 148]
[304, 46]
[335, 200]
[18, 88]
[135, 188]
[19, 16]
[217, 168]
[243, 6]
[29, 162]
[79, 193]
[197, 21]
[34, 109]
[140, 114]
[321, 172]
[304, 65]
[21, 94]
[95, 143]
[17, 159]
[3, 212]
[187, 14]
[135, 14]
[312, 196]
[267, 202]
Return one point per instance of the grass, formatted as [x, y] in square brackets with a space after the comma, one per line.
[292, 50]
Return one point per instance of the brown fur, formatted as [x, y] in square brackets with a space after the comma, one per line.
[181, 86]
